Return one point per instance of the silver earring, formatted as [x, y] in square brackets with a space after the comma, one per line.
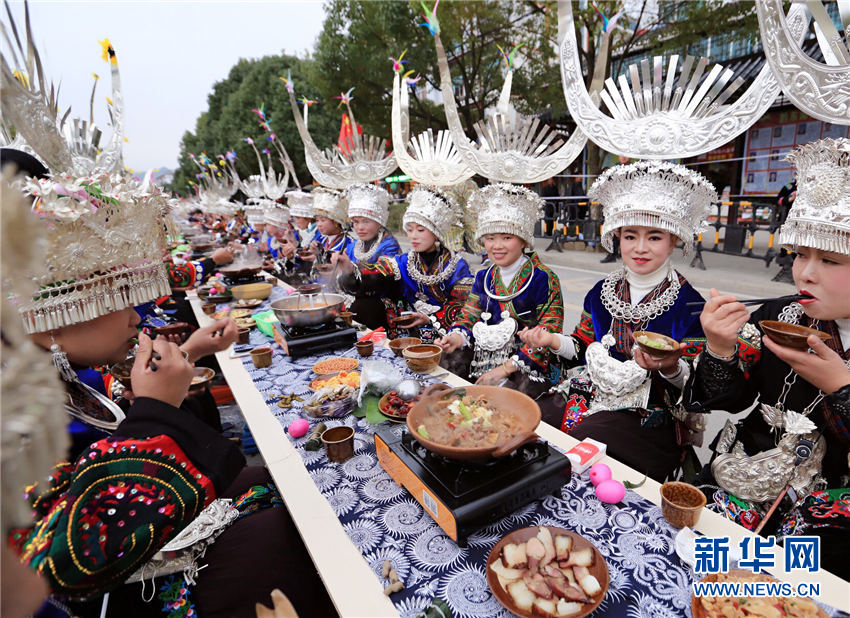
[60, 361]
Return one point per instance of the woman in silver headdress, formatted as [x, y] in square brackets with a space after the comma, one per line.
[793, 448]
[623, 396]
[517, 291]
[430, 280]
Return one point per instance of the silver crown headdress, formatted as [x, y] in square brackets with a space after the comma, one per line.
[821, 90]
[34, 435]
[216, 182]
[423, 158]
[653, 194]
[664, 118]
[330, 203]
[820, 215]
[433, 209]
[300, 204]
[368, 200]
[515, 151]
[362, 159]
[506, 209]
[105, 230]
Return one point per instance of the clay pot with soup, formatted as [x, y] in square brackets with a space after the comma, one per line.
[473, 423]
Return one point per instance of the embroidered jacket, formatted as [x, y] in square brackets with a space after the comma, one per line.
[99, 518]
[540, 304]
[189, 274]
[758, 373]
[388, 246]
[677, 322]
[390, 278]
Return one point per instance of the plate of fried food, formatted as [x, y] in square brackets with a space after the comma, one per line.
[240, 313]
[335, 364]
[348, 378]
[247, 303]
[720, 607]
[245, 322]
[547, 571]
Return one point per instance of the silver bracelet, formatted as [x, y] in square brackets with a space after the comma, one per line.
[726, 359]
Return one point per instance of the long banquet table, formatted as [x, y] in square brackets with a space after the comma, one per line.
[339, 526]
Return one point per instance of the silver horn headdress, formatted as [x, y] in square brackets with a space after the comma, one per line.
[363, 160]
[514, 151]
[423, 158]
[821, 90]
[662, 117]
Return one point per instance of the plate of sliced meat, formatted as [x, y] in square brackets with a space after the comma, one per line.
[547, 571]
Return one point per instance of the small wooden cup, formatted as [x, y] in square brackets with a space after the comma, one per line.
[365, 348]
[208, 308]
[681, 504]
[339, 443]
[243, 335]
[262, 357]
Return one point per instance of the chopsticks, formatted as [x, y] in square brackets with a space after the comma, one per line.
[752, 301]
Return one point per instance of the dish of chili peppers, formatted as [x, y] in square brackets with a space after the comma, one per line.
[394, 407]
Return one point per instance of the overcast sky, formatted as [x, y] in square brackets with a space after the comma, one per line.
[170, 55]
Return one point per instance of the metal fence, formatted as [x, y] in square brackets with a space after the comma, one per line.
[748, 228]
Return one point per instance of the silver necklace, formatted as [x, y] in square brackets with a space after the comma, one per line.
[361, 254]
[791, 314]
[417, 272]
[506, 297]
[642, 312]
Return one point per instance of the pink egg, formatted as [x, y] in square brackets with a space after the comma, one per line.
[298, 427]
[610, 491]
[599, 472]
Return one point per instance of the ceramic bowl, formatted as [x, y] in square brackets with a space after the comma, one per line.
[422, 358]
[398, 345]
[790, 335]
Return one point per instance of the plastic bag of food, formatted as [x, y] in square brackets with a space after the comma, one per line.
[331, 401]
[377, 377]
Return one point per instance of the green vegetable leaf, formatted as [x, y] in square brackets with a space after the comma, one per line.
[629, 485]
[423, 432]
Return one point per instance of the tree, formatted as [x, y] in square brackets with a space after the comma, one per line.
[359, 37]
[229, 119]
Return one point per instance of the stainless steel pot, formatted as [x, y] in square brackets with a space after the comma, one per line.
[298, 310]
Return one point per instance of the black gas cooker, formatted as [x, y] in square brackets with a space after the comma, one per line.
[463, 497]
[309, 340]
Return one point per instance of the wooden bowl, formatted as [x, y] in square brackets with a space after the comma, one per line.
[202, 377]
[507, 399]
[671, 345]
[422, 358]
[398, 345]
[599, 568]
[121, 371]
[347, 317]
[205, 296]
[681, 504]
[259, 291]
[404, 321]
[790, 335]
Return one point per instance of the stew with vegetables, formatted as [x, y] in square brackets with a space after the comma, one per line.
[469, 422]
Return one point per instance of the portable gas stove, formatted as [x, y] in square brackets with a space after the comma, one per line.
[298, 341]
[463, 497]
[243, 279]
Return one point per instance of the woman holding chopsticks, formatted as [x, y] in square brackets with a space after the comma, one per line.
[518, 291]
[623, 396]
[777, 470]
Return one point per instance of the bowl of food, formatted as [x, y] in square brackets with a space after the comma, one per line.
[331, 401]
[473, 423]
[325, 270]
[214, 295]
[245, 322]
[394, 407]
[655, 344]
[202, 377]
[572, 571]
[335, 365]
[121, 371]
[348, 378]
[347, 317]
[790, 335]
[404, 321]
[398, 345]
[178, 328]
[308, 289]
[247, 303]
[299, 310]
[422, 358]
[257, 291]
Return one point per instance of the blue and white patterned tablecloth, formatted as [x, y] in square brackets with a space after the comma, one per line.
[386, 523]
